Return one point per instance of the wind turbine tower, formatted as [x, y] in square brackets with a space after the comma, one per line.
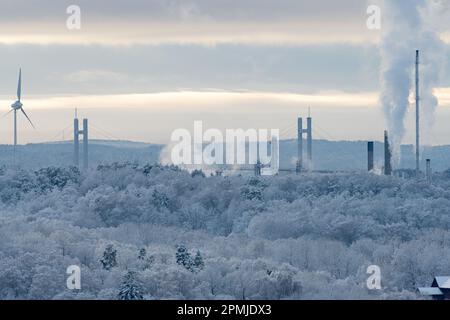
[16, 106]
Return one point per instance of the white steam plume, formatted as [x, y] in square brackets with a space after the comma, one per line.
[405, 28]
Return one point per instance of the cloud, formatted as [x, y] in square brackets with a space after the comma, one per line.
[152, 117]
[200, 100]
[76, 69]
[212, 22]
[188, 21]
[202, 33]
[185, 10]
[212, 100]
[89, 76]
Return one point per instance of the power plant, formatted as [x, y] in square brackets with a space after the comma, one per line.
[387, 155]
[303, 163]
[387, 149]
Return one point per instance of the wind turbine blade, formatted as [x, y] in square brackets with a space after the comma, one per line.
[19, 85]
[23, 111]
[8, 113]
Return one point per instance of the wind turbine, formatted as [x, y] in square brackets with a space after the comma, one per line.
[18, 106]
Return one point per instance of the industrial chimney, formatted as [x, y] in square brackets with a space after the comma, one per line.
[370, 156]
[387, 155]
[417, 116]
[85, 144]
[428, 171]
[309, 143]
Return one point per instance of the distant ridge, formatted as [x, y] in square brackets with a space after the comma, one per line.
[112, 143]
[327, 155]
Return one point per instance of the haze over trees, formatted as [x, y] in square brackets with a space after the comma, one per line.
[328, 155]
[157, 232]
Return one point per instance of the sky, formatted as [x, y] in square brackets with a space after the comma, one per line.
[141, 69]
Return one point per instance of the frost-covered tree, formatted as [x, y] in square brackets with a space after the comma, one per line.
[198, 264]
[108, 260]
[148, 262]
[145, 261]
[142, 254]
[160, 200]
[197, 173]
[183, 257]
[131, 288]
[54, 177]
[283, 237]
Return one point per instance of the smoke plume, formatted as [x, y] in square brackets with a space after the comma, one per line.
[406, 27]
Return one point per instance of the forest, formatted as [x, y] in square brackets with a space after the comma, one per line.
[159, 232]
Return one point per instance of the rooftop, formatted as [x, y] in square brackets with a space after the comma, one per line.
[432, 291]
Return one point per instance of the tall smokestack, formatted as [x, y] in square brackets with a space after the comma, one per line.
[387, 155]
[76, 148]
[299, 145]
[417, 116]
[370, 155]
[85, 143]
[428, 170]
[309, 143]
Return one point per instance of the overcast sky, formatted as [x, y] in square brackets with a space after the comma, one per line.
[140, 69]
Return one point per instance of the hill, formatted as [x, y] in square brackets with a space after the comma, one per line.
[327, 155]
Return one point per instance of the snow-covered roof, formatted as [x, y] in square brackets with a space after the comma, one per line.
[430, 291]
[443, 282]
